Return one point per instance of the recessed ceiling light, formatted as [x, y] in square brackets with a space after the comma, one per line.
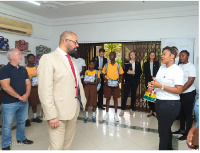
[34, 2]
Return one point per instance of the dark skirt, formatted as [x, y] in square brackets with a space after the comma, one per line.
[34, 98]
[91, 94]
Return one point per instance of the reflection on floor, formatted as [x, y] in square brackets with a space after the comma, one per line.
[133, 132]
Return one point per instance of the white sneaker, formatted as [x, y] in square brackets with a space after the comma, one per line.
[105, 117]
[116, 118]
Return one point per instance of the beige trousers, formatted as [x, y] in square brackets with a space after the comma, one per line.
[61, 137]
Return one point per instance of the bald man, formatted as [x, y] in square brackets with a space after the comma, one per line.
[61, 92]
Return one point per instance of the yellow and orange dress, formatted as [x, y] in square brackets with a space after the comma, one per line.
[33, 98]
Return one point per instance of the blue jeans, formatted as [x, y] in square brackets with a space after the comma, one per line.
[8, 114]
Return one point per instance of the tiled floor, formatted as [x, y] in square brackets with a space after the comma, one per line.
[133, 132]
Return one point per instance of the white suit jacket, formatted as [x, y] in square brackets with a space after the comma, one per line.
[57, 87]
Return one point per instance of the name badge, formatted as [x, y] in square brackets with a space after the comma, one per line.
[116, 72]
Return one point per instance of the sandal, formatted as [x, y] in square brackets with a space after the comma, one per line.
[131, 111]
[121, 113]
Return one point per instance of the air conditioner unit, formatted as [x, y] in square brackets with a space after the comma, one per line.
[14, 26]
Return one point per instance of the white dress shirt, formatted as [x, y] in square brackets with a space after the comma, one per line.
[133, 66]
[65, 57]
[100, 63]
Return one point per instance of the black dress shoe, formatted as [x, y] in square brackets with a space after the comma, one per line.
[26, 141]
[28, 123]
[149, 115]
[182, 138]
[7, 148]
[101, 107]
[37, 120]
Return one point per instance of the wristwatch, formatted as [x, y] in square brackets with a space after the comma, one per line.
[162, 87]
[28, 94]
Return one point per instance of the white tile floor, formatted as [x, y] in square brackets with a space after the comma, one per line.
[102, 136]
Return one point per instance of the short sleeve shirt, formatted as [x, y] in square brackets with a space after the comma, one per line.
[80, 63]
[17, 81]
[92, 73]
[112, 71]
[170, 76]
[32, 71]
[189, 70]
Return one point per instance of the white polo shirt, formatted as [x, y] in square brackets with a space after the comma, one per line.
[170, 76]
[189, 70]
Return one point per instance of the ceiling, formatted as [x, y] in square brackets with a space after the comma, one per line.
[61, 9]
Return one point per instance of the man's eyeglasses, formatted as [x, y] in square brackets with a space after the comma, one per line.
[76, 42]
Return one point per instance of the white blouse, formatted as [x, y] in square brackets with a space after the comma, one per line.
[170, 76]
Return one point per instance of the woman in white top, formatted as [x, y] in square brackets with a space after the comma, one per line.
[168, 84]
[188, 95]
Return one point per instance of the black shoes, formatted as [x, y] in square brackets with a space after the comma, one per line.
[179, 132]
[101, 107]
[7, 148]
[37, 120]
[26, 141]
[28, 123]
[149, 115]
[182, 138]
[33, 120]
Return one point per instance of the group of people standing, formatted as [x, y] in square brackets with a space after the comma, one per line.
[113, 71]
[173, 83]
[61, 92]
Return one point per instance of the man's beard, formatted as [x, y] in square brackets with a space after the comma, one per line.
[73, 52]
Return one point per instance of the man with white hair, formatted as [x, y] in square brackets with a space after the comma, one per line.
[16, 87]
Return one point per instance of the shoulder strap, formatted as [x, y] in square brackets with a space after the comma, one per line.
[118, 66]
[96, 75]
[106, 69]
[87, 72]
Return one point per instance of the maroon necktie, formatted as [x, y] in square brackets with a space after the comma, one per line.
[73, 70]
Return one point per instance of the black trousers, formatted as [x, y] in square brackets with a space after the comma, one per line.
[166, 111]
[187, 103]
[129, 85]
[100, 92]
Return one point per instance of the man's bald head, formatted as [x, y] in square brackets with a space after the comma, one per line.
[66, 35]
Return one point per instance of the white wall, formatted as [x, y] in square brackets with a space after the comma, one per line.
[150, 25]
[40, 35]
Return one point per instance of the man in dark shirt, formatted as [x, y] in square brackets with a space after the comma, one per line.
[16, 87]
[100, 61]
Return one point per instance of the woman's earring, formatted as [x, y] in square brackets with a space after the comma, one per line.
[172, 60]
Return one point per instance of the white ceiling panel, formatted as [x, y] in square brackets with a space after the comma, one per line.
[61, 9]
